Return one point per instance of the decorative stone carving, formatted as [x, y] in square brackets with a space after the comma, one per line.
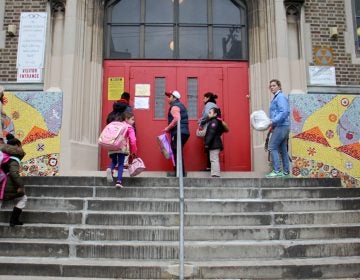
[293, 7]
[58, 6]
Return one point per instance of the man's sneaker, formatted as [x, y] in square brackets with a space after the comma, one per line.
[274, 174]
[286, 175]
[118, 184]
[109, 177]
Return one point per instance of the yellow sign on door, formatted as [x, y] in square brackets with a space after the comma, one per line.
[115, 87]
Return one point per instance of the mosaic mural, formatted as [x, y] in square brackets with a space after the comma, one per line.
[325, 136]
[35, 119]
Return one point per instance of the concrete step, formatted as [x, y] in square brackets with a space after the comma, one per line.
[189, 182]
[191, 219]
[224, 205]
[311, 268]
[194, 250]
[39, 203]
[171, 233]
[45, 216]
[191, 205]
[191, 192]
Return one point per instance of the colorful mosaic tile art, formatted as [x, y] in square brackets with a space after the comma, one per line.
[325, 136]
[35, 119]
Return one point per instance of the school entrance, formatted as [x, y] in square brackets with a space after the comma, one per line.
[148, 80]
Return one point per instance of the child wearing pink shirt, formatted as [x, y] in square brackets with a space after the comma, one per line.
[118, 158]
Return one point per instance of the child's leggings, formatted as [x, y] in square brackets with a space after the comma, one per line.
[118, 159]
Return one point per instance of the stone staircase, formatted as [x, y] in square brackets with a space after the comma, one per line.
[235, 229]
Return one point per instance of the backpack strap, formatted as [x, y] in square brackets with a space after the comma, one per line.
[15, 158]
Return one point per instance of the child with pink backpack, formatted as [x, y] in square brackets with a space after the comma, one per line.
[119, 138]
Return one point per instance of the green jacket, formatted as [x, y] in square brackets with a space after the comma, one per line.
[14, 180]
[12, 169]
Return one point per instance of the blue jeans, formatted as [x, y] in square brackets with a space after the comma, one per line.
[118, 159]
[278, 144]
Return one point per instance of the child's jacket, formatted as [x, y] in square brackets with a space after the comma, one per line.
[213, 134]
[14, 180]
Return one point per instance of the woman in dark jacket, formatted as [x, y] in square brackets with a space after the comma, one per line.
[213, 142]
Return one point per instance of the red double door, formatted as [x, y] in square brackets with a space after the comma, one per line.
[147, 80]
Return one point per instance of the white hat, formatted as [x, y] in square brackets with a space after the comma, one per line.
[174, 93]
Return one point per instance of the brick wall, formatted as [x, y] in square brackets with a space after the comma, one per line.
[13, 9]
[322, 14]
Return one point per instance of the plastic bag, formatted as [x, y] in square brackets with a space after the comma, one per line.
[259, 120]
[164, 145]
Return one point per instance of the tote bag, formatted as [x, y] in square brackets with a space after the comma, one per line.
[136, 167]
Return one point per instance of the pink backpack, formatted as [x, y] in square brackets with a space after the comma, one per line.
[3, 159]
[114, 137]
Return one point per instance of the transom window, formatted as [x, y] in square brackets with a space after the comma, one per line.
[176, 29]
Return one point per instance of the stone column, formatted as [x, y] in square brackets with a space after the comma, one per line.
[55, 48]
[268, 59]
[81, 80]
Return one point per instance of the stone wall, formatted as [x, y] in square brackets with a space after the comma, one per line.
[322, 14]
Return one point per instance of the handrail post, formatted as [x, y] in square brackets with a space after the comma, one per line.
[179, 174]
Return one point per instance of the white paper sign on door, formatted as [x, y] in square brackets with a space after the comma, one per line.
[141, 103]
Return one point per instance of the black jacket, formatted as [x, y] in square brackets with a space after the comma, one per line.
[184, 119]
[119, 108]
[213, 134]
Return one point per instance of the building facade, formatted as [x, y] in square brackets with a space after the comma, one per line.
[311, 46]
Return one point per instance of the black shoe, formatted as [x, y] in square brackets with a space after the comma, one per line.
[14, 219]
[171, 174]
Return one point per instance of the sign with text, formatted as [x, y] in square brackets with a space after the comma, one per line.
[322, 75]
[115, 87]
[142, 90]
[29, 75]
[31, 46]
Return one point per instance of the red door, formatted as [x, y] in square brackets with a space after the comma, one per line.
[192, 79]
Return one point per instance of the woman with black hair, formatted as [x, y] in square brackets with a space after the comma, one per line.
[210, 102]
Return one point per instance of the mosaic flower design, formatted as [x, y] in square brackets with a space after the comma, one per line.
[311, 151]
[304, 171]
[332, 118]
[345, 102]
[334, 172]
[296, 171]
[15, 115]
[348, 165]
[329, 133]
[52, 161]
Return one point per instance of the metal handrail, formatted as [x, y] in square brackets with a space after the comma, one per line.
[179, 174]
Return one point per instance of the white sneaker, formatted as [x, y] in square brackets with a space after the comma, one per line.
[109, 177]
[118, 185]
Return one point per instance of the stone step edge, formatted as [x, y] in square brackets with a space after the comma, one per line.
[159, 263]
[191, 243]
[204, 227]
[212, 214]
[192, 200]
[192, 187]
